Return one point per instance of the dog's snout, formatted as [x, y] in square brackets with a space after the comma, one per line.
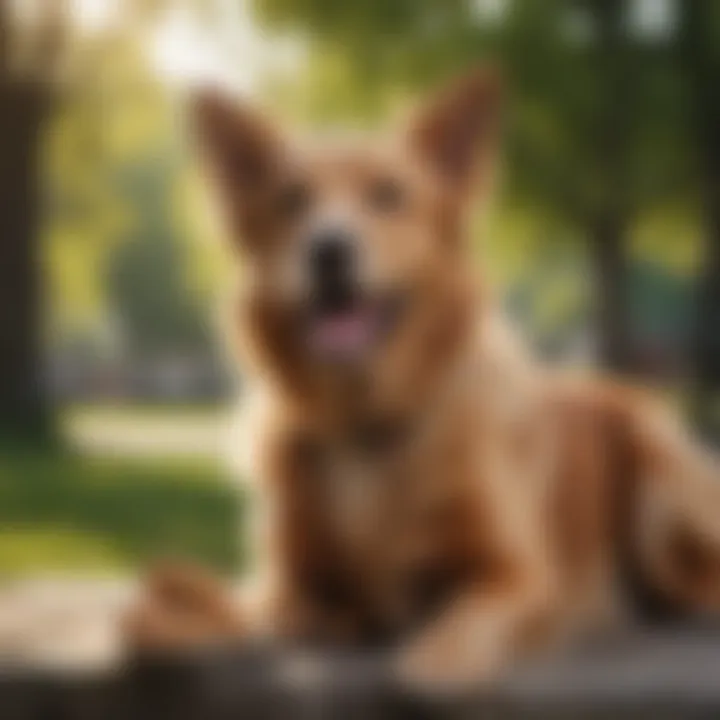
[331, 256]
[331, 260]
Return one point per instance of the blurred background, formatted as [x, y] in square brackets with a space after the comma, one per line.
[114, 394]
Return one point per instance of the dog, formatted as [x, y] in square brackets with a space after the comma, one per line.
[424, 483]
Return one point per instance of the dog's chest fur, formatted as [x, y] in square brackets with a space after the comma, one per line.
[387, 505]
[393, 515]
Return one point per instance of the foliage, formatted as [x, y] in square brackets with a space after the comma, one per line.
[121, 257]
[561, 73]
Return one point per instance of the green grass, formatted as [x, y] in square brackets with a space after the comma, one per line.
[59, 510]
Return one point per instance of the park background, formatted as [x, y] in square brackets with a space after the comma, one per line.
[114, 392]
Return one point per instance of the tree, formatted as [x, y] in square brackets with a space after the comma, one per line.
[26, 99]
[44, 60]
[122, 213]
[156, 317]
[700, 57]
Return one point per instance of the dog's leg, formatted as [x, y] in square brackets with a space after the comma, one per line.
[478, 635]
[181, 606]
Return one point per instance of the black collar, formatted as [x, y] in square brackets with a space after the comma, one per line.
[380, 435]
[376, 437]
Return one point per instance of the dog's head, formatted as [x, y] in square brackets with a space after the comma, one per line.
[348, 238]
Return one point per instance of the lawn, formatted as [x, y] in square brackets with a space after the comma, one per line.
[64, 510]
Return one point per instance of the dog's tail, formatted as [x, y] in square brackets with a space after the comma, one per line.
[675, 523]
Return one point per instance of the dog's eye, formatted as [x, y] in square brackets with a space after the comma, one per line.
[293, 200]
[386, 195]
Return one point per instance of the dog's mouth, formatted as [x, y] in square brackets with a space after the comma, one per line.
[349, 325]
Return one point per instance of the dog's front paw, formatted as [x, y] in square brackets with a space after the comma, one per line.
[180, 606]
[446, 662]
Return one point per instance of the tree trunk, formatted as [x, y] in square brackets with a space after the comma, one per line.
[23, 407]
[607, 244]
[609, 219]
[707, 335]
[701, 60]
[23, 107]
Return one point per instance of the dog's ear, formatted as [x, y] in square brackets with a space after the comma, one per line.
[457, 132]
[241, 152]
[239, 144]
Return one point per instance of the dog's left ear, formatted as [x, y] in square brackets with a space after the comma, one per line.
[457, 133]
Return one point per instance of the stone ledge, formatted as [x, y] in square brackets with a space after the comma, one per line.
[673, 673]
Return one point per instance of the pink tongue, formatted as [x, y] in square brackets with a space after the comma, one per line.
[344, 333]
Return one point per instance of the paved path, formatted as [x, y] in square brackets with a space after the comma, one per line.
[59, 622]
[155, 433]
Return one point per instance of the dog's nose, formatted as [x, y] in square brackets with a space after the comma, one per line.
[331, 257]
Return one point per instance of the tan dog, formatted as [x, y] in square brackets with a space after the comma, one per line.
[424, 482]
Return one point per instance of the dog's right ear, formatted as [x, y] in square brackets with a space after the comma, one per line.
[240, 149]
[240, 145]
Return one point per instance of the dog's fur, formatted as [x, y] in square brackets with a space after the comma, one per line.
[446, 494]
